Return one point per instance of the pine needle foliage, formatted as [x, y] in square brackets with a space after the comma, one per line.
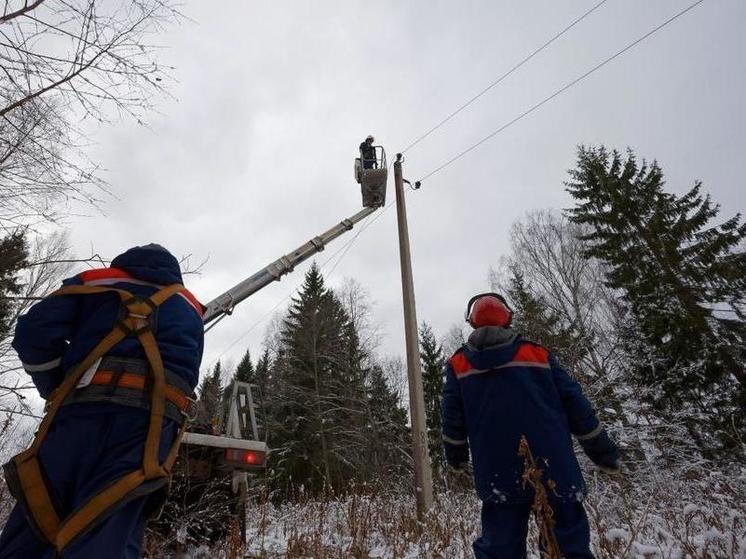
[13, 255]
[327, 416]
[210, 395]
[433, 362]
[682, 272]
[245, 370]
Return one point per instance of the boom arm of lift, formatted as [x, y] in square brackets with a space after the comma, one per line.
[225, 303]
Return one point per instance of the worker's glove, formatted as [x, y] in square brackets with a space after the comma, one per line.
[602, 450]
[460, 467]
[456, 454]
[459, 477]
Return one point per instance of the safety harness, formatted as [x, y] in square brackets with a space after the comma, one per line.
[24, 473]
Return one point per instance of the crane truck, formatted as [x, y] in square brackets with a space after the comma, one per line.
[241, 450]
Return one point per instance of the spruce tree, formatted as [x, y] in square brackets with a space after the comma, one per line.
[261, 372]
[332, 417]
[261, 394]
[262, 378]
[313, 404]
[245, 369]
[388, 441]
[433, 361]
[13, 254]
[675, 266]
[210, 390]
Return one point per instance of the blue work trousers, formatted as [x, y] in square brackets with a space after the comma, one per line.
[119, 536]
[88, 447]
[505, 527]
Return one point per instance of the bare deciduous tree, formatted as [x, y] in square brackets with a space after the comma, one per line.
[356, 301]
[546, 251]
[66, 63]
[453, 339]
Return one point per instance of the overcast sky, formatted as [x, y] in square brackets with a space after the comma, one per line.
[254, 155]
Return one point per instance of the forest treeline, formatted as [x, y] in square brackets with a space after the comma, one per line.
[638, 291]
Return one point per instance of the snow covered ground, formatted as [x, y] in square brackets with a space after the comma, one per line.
[663, 514]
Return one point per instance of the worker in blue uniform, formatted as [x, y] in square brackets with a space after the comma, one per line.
[99, 433]
[500, 387]
[368, 153]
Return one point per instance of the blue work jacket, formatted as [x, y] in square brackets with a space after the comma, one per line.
[60, 331]
[494, 396]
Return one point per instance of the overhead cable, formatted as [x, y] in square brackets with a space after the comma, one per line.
[505, 75]
[562, 89]
[349, 245]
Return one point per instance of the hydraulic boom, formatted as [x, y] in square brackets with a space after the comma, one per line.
[225, 303]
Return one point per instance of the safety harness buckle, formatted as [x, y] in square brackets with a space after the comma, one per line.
[136, 316]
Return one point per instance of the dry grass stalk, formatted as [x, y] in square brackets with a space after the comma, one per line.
[543, 513]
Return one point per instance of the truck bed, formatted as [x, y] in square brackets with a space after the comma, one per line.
[216, 441]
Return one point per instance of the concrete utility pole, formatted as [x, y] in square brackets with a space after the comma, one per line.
[423, 475]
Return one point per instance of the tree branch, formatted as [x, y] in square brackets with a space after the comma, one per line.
[26, 8]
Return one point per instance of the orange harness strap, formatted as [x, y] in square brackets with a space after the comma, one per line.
[138, 382]
[28, 470]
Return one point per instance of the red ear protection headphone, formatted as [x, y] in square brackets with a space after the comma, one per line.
[488, 309]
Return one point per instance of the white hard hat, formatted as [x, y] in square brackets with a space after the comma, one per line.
[371, 138]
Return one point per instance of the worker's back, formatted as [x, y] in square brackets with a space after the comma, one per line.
[97, 441]
[368, 151]
[499, 389]
[510, 387]
[84, 320]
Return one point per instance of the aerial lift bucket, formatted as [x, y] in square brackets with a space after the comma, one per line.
[373, 179]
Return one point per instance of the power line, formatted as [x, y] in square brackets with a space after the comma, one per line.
[362, 229]
[562, 89]
[505, 75]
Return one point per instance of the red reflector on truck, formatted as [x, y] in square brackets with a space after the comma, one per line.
[244, 457]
